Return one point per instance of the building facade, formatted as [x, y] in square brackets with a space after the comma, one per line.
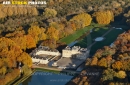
[75, 51]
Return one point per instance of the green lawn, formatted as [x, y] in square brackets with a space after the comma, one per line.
[75, 35]
[109, 38]
[78, 33]
[97, 32]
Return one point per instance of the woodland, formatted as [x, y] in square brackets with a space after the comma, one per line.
[24, 28]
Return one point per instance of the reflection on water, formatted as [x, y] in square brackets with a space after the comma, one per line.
[47, 78]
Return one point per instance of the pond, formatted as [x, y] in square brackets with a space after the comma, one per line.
[47, 78]
[99, 39]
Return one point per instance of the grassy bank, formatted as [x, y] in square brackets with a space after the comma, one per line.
[80, 32]
[109, 38]
[97, 32]
[75, 35]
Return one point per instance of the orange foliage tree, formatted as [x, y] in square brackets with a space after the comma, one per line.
[9, 50]
[117, 65]
[24, 41]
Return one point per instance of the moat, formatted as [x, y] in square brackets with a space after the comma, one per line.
[47, 78]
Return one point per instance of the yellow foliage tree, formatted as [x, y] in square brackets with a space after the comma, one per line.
[25, 58]
[36, 32]
[53, 33]
[2, 14]
[102, 62]
[24, 41]
[30, 42]
[120, 74]
[84, 19]
[104, 17]
[49, 13]
[94, 61]
[9, 50]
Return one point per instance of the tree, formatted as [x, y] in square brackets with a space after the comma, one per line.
[34, 11]
[49, 13]
[2, 14]
[30, 42]
[102, 62]
[111, 83]
[10, 11]
[24, 41]
[120, 74]
[104, 17]
[9, 51]
[21, 41]
[3, 70]
[50, 42]
[108, 74]
[86, 83]
[117, 65]
[26, 70]
[25, 58]
[36, 32]
[84, 19]
[98, 54]
[1, 63]
[52, 33]
[94, 61]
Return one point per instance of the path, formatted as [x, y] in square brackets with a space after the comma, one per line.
[89, 47]
[56, 69]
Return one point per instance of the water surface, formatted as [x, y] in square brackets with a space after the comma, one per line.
[47, 78]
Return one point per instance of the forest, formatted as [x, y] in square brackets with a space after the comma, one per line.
[24, 28]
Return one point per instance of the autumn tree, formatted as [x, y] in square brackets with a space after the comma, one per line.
[3, 70]
[26, 70]
[50, 42]
[108, 74]
[34, 11]
[30, 42]
[2, 14]
[68, 30]
[9, 51]
[52, 33]
[36, 32]
[10, 11]
[84, 19]
[94, 61]
[49, 13]
[25, 59]
[117, 65]
[102, 62]
[104, 17]
[24, 41]
[98, 54]
[120, 74]
[59, 27]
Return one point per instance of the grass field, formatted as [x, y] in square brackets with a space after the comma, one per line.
[109, 38]
[97, 32]
[78, 33]
[75, 35]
